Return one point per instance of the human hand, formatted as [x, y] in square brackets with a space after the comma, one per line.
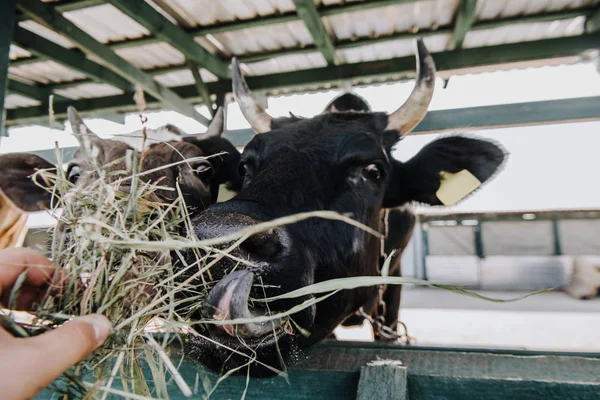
[27, 365]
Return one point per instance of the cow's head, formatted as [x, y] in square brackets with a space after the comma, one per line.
[340, 161]
[199, 179]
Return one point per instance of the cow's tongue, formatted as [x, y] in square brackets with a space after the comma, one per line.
[228, 300]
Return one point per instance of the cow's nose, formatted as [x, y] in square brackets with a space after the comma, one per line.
[265, 245]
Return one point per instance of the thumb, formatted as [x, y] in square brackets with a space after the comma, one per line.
[52, 353]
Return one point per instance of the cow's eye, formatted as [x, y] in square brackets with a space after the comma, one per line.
[203, 170]
[73, 173]
[372, 172]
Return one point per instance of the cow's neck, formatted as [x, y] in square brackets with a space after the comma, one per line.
[12, 224]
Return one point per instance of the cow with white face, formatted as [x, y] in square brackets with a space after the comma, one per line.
[338, 161]
[199, 179]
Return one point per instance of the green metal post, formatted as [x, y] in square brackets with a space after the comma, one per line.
[308, 12]
[424, 250]
[556, 237]
[464, 20]
[479, 250]
[7, 18]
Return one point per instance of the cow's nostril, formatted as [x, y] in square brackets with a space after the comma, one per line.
[265, 245]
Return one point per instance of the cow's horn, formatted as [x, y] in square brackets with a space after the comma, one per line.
[408, 116]
[215, 129]
[81, 131]
[253, 112]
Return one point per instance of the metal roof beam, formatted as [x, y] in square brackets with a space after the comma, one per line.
[45, 15]
[70, 58]
[592, 22]
[39, 93]
[479, 118]
[201, 87]
[7, 21]
[545, 17]
[144, 14]
[308, 12]
[447, 62]
[465, 17]
[67, 6]
[349, 44]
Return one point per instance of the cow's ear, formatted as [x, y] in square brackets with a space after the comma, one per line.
[444, 172]
[28, 192]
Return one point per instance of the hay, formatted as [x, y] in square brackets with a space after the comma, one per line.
[118, 261]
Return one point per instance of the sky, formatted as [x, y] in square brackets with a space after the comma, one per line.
[549, 167]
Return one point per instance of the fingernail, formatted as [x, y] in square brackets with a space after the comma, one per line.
[101, 326]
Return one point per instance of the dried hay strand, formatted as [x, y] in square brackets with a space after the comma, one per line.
[117, 245]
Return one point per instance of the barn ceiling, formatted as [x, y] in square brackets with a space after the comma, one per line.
[93, 54]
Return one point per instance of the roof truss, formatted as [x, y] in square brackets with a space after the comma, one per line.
[125, 76]
[47, 16]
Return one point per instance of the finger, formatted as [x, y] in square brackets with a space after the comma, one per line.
[12, 264]
[15, 260]
[43, 358]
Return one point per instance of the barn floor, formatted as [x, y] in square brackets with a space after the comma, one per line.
[547, 321]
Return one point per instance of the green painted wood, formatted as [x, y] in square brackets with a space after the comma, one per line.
[68, 57]
[465, 16]
[382, 380]
[7, 21]
[144, 14]
[47, 16]
[332, 371]
[307, 11]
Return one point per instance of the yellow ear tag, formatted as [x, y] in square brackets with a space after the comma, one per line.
[455, 187]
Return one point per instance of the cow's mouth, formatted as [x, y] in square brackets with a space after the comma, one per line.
[259, 342]
[228, 301]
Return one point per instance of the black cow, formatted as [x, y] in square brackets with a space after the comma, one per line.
[333, 161]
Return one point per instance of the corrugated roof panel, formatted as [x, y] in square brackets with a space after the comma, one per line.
[46, 33]
[210, 12]
[392, 49]
[392, 19]
[183, 77]
[494, 9]
[45, 72]
[285, 64]
[16, 100]
[265, 38]
[89, 90]
[106, 23]
[16, 52]
[524, 32]
[152, 55]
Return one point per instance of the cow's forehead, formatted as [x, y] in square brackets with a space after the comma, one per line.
[332, 132]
